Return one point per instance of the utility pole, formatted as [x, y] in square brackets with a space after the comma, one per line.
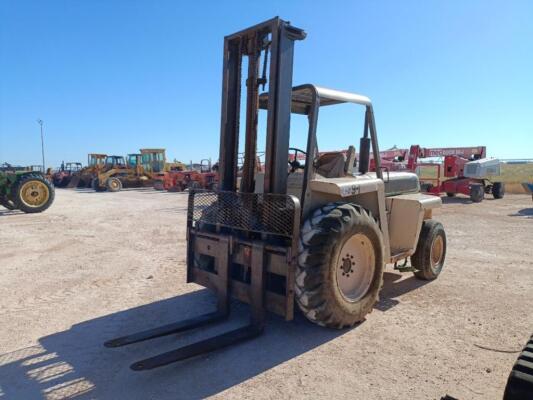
[40, 122]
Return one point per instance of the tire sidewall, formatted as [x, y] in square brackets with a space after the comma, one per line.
[421, 260]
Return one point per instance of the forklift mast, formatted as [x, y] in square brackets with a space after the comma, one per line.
[250, 238]
[271, 42]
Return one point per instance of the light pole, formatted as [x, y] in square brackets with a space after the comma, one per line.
[40, 122]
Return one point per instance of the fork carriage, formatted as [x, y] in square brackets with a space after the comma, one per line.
[245, 245]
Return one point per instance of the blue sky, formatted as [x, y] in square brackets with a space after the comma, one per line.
[115, 76]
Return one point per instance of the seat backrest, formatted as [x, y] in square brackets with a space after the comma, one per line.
[331, 165]
[350, 161]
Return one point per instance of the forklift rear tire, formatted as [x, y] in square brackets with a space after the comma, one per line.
[498, 190]
[340, 265]
[430, 253]
[477, 193]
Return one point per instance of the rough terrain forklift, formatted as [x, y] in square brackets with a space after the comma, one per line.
[318, 231]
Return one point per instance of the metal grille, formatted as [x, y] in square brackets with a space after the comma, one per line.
[256, 212]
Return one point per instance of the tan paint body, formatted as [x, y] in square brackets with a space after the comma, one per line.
[400, 216]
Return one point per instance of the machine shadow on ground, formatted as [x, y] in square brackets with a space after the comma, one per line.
[147, 189]
[393, 287]
[75, 364]
[142, 190]
[172, 210]
[524, 212]
[6, 212]
[461, 200]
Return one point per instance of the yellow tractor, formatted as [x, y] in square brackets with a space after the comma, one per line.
[137, 170]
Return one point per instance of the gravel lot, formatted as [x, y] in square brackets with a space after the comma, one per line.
[99, 265]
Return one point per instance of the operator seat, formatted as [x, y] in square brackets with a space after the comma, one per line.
[335, 164]
[331, 165]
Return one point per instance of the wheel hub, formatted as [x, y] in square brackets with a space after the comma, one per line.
[437, 251]
[355, 267]
[34, 193]
[347, 264]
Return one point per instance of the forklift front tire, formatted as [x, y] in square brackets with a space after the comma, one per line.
[340, 265]
[430, 253]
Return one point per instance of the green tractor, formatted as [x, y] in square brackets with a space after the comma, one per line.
[30, 192]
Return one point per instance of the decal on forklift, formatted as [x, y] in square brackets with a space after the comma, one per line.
[349, 190]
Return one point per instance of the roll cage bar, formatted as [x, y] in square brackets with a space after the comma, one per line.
[307, 100]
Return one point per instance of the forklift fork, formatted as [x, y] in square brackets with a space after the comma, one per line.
[250, 331]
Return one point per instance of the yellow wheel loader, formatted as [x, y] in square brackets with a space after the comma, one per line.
[84, 177]
[137, 170]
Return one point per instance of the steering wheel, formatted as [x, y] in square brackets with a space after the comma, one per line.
[295, 164]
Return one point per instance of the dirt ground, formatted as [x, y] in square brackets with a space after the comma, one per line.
[99, 265]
